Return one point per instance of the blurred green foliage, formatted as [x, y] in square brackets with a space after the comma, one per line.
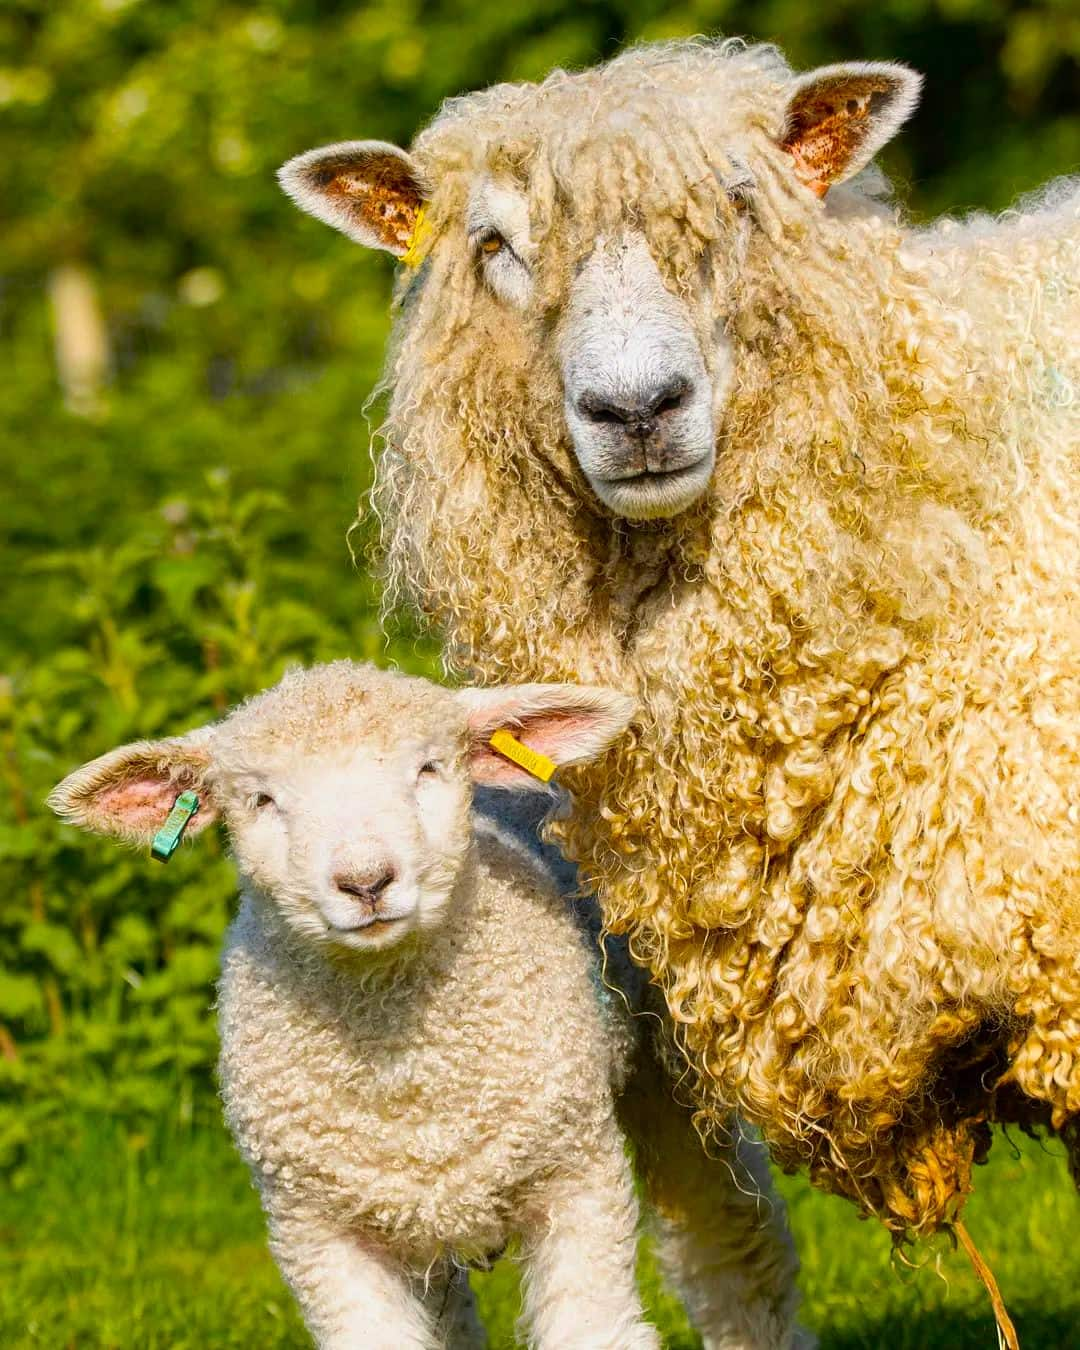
[176, 545]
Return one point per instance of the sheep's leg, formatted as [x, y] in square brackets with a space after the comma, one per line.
[452, 1307]
[352, 1295]
[721, 1236]
[579, 1257]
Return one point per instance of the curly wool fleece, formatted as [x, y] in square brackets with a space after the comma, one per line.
[844, 836]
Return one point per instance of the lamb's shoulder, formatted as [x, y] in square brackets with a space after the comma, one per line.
[287, 1057]
[568, 994]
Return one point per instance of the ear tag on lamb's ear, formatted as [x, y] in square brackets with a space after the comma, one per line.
[167, 840]
[532, 761]
[414, 254]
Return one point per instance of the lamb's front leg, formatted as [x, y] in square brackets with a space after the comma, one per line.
[352, 1295]
[579, 1256]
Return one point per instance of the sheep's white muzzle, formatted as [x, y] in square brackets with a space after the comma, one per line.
[637, 396]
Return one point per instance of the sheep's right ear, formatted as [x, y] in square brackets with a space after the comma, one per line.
[369, 190]
[129, 792]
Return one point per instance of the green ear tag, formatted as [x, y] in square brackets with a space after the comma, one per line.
[167, 840]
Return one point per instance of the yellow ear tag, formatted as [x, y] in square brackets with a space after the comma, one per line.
[532, 761]
[414, 254]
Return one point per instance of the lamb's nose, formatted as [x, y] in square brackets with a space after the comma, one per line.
[638, 412]
[365, 884]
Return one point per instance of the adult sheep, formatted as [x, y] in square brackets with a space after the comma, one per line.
[680, 404]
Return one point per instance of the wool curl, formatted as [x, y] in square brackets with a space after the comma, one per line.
[843, 832]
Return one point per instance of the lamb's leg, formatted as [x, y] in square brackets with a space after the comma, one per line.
[352, 1295]
[722, 1239]
[579, 1256]
[452, 1307]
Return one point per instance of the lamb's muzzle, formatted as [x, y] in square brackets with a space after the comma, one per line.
[367, 887]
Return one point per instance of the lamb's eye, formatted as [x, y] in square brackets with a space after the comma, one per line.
[262, 799]
[429, 769]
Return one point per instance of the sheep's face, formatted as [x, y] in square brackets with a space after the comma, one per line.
[590, 233]
[346, 790]
[641, 397]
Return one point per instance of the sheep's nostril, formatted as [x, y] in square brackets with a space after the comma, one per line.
[671, 402]
[365, 886]
[638, 412]
[604, 413]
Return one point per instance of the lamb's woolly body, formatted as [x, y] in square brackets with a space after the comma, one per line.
[417, 1059]
[332, 1080]
[845, 834]
[374, 1106]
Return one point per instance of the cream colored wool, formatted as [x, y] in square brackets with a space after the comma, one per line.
[844, 837]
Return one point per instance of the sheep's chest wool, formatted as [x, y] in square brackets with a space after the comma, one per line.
[846, 834]
[408, 1102]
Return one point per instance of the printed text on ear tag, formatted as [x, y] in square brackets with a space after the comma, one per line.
[167, 840]
[532, 761]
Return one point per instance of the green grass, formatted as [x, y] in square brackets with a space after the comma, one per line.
[110, 1240]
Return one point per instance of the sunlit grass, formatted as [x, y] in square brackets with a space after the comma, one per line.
[112, 1241]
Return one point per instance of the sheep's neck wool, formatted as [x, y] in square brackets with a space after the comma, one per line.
[843, 834]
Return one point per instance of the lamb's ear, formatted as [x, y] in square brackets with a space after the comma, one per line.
[130, 791]
[839, 117]
[369, 190]
[562, 723]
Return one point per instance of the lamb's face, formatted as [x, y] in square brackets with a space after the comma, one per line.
[358, 838]
[346, 789]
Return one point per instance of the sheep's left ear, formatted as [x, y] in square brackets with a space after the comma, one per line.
[369, 190]
[839, 117]
[564, 723]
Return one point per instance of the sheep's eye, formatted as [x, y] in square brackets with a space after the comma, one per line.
[490, 243]
[501, 267]
[262, 799]
[429, 769]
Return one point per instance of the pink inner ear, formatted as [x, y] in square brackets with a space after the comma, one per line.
[495, 770]
[558, 736]
[141, 804]
[561, 736]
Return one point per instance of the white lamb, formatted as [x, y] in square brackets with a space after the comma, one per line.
[417, 1060]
